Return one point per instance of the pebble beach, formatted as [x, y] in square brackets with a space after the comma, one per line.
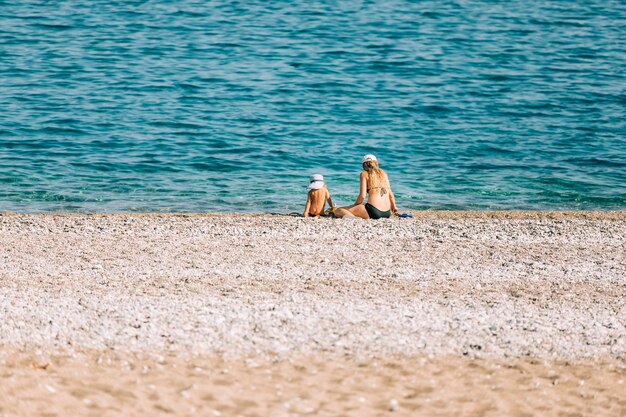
[452, 313]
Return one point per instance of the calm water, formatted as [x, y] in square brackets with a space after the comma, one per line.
[230, 105]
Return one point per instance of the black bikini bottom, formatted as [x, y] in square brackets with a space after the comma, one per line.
[374, 213]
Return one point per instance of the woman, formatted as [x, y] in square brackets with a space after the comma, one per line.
[380, 201]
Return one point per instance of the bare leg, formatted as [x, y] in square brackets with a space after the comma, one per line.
[357, 210]
[341, 212]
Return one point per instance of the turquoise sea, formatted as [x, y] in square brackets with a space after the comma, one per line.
[228, 106]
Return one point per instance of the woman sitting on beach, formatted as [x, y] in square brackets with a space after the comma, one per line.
[374, 183]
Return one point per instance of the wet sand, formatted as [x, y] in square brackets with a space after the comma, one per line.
[450, 313]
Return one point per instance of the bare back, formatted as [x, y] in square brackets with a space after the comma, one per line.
[378, 195]
[317, 201]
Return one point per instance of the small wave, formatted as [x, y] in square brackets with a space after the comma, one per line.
[98, 166]
[227, 45]
[485, 166]
[331, 85]
[211, 80]
[215, 165]
[500, 77]
[50, 196]
[63, 130]
[188, 13]
[598, 162]
[176, 125]
[53, 26]
[190, 87]
[432, 108]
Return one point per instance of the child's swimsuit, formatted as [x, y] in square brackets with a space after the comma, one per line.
[374, 213]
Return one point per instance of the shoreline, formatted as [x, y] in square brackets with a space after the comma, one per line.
[418, 214]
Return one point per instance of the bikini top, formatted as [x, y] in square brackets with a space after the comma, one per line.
[383, 190]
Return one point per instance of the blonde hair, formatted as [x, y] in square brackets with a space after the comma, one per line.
[375, 175]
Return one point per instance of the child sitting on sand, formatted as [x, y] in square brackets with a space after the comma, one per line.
[317, 198]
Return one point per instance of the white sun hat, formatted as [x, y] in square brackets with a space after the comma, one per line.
[369, 157]
[316, 181]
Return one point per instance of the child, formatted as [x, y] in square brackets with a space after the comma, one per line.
[318, 195]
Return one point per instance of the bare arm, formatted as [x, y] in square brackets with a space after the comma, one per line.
[307, 207]
[392, 198]
[362, 189]
[329, 200]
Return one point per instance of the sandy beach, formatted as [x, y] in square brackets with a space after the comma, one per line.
[449, 313]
